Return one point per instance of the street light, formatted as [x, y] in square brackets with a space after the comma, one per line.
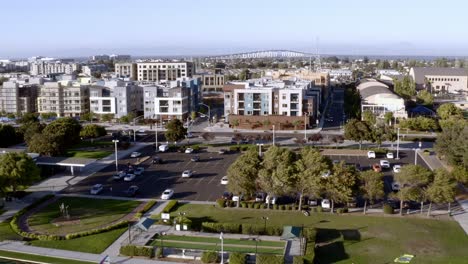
[156, 136]
[305, 126]
[398, 145]
[134, 122]
[259, 149]
[222, 247]
[265, 218]
[209, 113]
[116, 158]
[273, 135]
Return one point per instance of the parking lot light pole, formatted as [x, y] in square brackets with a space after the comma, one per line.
[116, 157]
[398, 145]
[156, 136]
[134, 123]
[265, 218]
[273, 135]
[209, 113]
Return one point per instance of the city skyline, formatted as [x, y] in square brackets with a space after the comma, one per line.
[155, 28]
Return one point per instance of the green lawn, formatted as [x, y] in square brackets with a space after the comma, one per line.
[88, 144]
[226, 241]
[217, 247]
[98, 154]
[6, 233]
[44, 259]
[86, 214]
[90, 244]
[356, 238]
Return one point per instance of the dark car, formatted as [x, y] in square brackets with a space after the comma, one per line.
[131, 191]
[195, 158]
[227, 195]
[157, 160]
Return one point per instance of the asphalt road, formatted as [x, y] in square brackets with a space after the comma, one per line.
[335, 111]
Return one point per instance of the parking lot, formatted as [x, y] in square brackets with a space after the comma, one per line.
[203, 185]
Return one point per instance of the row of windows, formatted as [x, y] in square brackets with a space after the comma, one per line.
[443, 79]
[160, 66]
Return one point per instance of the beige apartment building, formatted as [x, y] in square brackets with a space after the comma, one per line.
[163, 71]
[66, 99]
[126, 70]
[212, 82]
[440, 80]
[17, 98]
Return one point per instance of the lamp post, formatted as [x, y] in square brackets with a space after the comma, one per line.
[273, 135]
[134, 123]
[156, 136]
[305, 127]
[222, 247]
[265, 218]
[259, 149]
[209, 113]
[116, 157]
[398, 145]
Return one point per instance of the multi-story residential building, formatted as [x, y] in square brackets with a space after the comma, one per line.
[175, 99]
[263, 102]
[52, 67]
[116, 57]
[126, 70]
[320, 79]
[212, 82]
[63, 98]
[440, 80]
[91, 69]
[379, 99]
[164, 71]
[102, 57]
[18, 98]
[116, 97]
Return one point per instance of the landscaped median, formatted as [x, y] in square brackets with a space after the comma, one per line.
[19, 256]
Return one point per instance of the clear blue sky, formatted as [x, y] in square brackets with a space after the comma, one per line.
[181, 27]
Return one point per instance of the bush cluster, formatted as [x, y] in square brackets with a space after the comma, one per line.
[221, 202]
[237, 258]
[221, 227]
[342, 210]
[298, 260]
[387, 209]
[132, 250]
[247, 229]
[269, 259]
[170, 206]
[145, 209]
[210, 257]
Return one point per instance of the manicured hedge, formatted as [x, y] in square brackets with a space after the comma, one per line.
[298, 260]
[221, 202]
[170, 206]
[210, 257]
[309, 235]
[387, 209]
[97, 231]
[221, 227]
[145, 209]
[269, 259]
[237, 258]
[132, 250]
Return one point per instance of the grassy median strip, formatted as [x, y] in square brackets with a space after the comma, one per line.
[44, 259]
[226, 241]
[95, 154]
[217, 247]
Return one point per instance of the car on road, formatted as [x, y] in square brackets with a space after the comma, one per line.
[129, 177]
[96, 189]
[376, 167]
[189, 150]
[326, 204]
[224, 180]
[396, 168]
[187, 174]
[390, 155]
[371, 154]
[167, 194]
[131, 191]
[135, 154]
[163, 148]
[119, 176]
[157, 160]
[385, 164]
[139, 171]
[195, 158]
[395, 186]
[222, 151]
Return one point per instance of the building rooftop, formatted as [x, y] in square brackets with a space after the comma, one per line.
[421, 72]
[370, 87]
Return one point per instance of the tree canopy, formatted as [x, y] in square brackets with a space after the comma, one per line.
[17, 170]
[175, 130]
[452, 142]
[243, 173]
[406, 88]
[8, 136]
[357, 130]
[448, 110]
[372, 186]
[92, 131]
[411, 179]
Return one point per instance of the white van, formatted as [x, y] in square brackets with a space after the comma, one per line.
[163, 148]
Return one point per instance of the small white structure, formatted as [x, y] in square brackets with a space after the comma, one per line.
[379, 99]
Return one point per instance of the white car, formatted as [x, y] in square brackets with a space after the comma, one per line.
[385, 164]
[187, 174]
[371, 154]
[119, 175]
[395, 186]
[396, 168]
[135, 154]
[139, 171]
[96, 189]
[326, 203]
[188, 150]
[167, 194]
[390, 155]
[271, 200]
[129, 177]
[224, 180]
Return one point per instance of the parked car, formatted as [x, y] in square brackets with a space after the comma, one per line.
[326, 204]
[390, 155]
[129, 177]
[131, 191]
[189, 150]
[139, 171]
[224, 180]
[163, 148]
[376, 167]
[260, 197]
[157, 160]
[119, 176]
[195, 158]
[167, 194]
[135, 154]
[395, 186]
[222, 151]
[271, 200]
[187, 174]
[371, 154]
[96, 189]
[385, 164]
[236, 198]
[227, 195]
[396, 168]
[352, 203]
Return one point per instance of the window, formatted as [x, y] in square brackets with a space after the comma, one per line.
[284, 105]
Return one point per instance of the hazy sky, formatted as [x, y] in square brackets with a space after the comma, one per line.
[184, 27]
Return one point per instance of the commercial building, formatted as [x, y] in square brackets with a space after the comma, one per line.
[379, 99]
[440, 80]
[102, 57]
[115, 57]
[53, 67]
[163, 71]
[18, 98]
[212, 82]
[174, 99]
[92, 69]
[126, 70]
[65, 98]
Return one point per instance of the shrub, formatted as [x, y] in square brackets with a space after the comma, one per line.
[97, 231]
[298, 260]
[159, 252]
[243, 204]
[387, 209]
[309, 233]
[282, 207]
[256, 205]
[269, 259]
[237, 258]
[132, 250]
[249, 229]
[342, 210]
[233, 148]
[275, 207]
[274, 230]
[319, 209]
[221, 227]
[313, 209]
[170, 206]
[221, 202]
[210, 257]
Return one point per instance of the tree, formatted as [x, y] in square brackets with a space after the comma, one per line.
[29, 129]
[8, 136]
[88, 116]
[369, 117]
[372, 186]
[452, 142]
[243, 172]
[244, 75]
[17, 170]
[341, 184]
[67, 130]
[235, 123]
[48, 116]
[175, 130]
[388, 117]
[357, 130]
[28, 117]
[425, 98]
[310, 167]
[124, 119]
[315, 137]
[441, 190]
[460, 174]
[45, 144]
[107, 117]
[411, 179]
[193, 115]
[92, 131]
[406, 88]
[449, 110]
[266, 123]
[277, 173]
[296, 123]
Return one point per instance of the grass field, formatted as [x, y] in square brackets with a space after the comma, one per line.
[88, 144]
[6, 233]
[90, 244]
[44, 259]
[356, 238]
[98, 154]
[85, 214]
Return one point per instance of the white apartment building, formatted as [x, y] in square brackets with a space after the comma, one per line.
[64, 98]
[52, 67]
[163, 71]
[126, 70]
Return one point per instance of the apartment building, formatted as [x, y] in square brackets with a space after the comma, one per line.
[126, 70]
[116, 97]
[163, 71]
[53, 67]
[440, 80]
[90, 70]
[18, 98]
[175, 99]
[212, 82]
[256, 103]
[66, 99]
